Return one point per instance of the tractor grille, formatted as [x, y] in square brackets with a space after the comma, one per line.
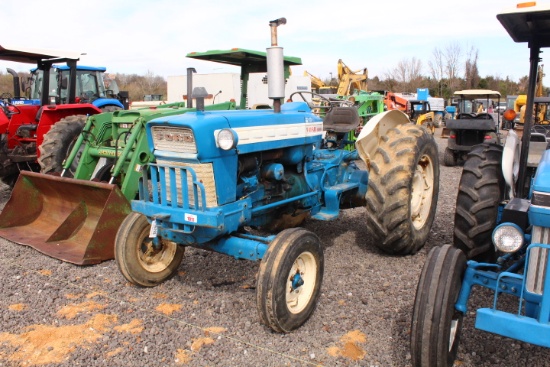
[204, 175]
[538, 260]
[174, 139]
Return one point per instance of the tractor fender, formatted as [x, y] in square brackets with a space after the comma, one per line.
[102, 102]
[4, 122]
[368, 140]
[510, 161]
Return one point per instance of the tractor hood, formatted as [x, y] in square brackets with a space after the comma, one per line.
[256, 130]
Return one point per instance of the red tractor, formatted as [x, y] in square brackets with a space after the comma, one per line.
[37, 130]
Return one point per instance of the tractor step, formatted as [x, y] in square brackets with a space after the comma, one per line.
[332, 200]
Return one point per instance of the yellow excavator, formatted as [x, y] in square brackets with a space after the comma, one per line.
[521, 101]
[351, 81]
[319, 86]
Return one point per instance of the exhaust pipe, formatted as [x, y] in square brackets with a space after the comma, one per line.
[190, 72]
[16, 85]
[275, 67]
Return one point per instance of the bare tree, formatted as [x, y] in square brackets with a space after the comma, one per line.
[471, 73]
[408, 74]
[151, 83]
[453, 52]
[437, 68]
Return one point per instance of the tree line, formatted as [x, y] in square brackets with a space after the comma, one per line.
[450, 68]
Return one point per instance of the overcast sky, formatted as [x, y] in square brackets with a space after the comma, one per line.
[137, 36]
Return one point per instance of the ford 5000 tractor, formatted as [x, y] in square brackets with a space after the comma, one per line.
[221, 174]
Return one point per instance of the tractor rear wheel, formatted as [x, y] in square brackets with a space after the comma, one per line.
[436, 324]
[403, 189]
[58, 143]
[289, 279]
[141, 261]
[480, 191]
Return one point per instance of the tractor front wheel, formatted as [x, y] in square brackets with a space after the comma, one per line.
[289, 279]
[436, 324]
[403, 189]
[58, 143]
[142, 261]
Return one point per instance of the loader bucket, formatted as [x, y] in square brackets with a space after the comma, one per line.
[445, 132]
[68, 219]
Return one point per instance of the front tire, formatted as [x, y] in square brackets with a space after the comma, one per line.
[403, 189]
[480, 191]
[436, 324]
[58, 142]
[138, 260]
[289, 280]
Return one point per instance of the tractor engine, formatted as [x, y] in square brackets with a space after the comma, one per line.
[271, 177]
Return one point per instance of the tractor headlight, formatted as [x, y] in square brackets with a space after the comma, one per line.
[508, 237]
[227, 139]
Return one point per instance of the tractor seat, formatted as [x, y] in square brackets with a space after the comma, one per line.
[484, 116]
[341, 119]
[462, 116]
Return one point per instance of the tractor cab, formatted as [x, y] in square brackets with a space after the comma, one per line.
[417, 108]
[92, 86]
[69, 94]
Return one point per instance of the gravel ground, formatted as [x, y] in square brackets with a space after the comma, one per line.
[57, 314]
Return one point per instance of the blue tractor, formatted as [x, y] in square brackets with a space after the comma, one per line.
[241, 182]
[501, 233]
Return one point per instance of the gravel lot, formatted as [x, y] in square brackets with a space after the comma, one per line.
[57, 314]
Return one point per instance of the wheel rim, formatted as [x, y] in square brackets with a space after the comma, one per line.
[422, 192]
[156, 260]
[453, 332]
[301, 282]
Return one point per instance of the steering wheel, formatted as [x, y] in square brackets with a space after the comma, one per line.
[325, 104]
[8, 107]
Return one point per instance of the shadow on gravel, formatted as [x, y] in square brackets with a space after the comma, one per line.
[401, 333]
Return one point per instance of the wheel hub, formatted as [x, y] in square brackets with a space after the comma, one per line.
[422, 191]
[301, 282]
[156, 257]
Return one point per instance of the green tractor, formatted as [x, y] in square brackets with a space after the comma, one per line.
[73, 215]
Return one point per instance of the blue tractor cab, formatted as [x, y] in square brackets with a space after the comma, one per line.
[92, 85]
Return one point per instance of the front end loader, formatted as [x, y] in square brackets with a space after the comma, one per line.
[73, 214]
[76, 218]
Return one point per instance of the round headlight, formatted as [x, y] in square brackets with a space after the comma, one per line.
[227, 139]
[508, 237]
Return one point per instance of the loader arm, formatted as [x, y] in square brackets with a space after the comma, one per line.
[349, 79]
